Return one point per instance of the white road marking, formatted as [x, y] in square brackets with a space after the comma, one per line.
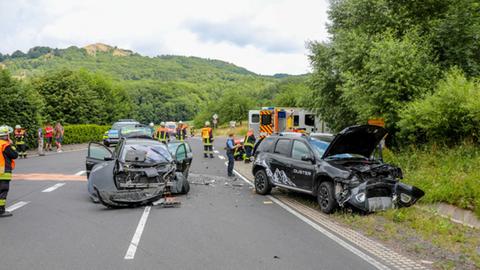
[16, 206]
[221, 157]
[52, 188]
[216, 151]
[317, 227]
[138, 234]
[80, 173]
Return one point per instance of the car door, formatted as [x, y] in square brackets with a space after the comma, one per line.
[280, 163]
[302, 160]
[182, 159]
[97, 153]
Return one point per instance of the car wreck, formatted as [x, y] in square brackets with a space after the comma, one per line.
[138, 172]
[340, 170]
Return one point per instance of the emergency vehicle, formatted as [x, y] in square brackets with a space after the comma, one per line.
[269, 120]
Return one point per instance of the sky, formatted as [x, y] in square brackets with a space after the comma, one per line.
[264, 36]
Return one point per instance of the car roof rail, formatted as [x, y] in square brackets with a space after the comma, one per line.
[289, 133]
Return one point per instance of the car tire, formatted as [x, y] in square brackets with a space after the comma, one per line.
[185, 187]
[326, 197]
[262, 184]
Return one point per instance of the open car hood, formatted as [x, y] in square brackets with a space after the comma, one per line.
[360, 140]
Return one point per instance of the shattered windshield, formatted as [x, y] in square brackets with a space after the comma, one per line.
[319, 145]
[151, 151]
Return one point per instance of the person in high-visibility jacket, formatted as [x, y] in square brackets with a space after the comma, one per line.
[19, 134]
[162, 133]
[248, 144]
[181, 131]
[207, 138]
[7, 164]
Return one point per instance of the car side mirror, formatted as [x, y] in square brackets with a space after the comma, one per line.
[308, 158]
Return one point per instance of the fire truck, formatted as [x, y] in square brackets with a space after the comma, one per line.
[270, 120]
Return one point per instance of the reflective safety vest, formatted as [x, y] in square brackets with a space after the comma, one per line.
[19, 135]
[6, 165]
[207, 135]
[162, 134]
[249, 141]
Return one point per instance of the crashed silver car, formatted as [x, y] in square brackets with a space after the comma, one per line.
[339, 170]
[138, 172]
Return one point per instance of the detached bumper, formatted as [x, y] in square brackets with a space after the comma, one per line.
[129, 198]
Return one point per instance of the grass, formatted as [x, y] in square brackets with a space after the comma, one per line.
[239, 130]
[449, 175]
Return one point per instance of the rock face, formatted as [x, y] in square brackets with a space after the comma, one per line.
[92, 50]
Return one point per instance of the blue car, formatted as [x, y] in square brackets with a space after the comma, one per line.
[112, 136]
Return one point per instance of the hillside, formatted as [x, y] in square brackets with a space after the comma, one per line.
[122, 64]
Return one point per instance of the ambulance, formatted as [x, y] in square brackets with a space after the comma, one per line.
[269, 120]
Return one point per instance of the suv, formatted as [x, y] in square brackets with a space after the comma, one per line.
[339, 170]
[113, 135]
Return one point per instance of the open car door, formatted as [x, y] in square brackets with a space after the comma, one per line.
[97, 153]
[183, 158]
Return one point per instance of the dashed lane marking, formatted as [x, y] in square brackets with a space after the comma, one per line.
[52, 188]
[80, 173]
[130, 255]
[48, 176]
[221, 157]
[16, 206]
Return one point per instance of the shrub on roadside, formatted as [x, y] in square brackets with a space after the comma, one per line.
[83, 133]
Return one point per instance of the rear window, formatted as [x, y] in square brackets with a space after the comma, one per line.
[283, 147]
[310, 120]
[265, 145]
[255, 119]
[266, 119]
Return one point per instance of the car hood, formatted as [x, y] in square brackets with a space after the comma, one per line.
[361, 140]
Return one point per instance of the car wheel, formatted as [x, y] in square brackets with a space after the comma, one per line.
[262, 184]
[106, 144]
[185, 187]
[326, 197]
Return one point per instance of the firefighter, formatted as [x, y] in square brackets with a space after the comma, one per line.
[207, 138]
[181, 131]
[152, 128]
[248, 144]
[19, 135]
[162, 133]
[7, 164]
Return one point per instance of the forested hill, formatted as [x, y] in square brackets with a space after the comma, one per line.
[121, 64]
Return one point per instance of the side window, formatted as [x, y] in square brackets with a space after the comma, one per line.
[296, 120]
[299, 150]
[310, 120]
[266, 119]
[255, 118]
[98, 151]
[283, 147]
[265, 145]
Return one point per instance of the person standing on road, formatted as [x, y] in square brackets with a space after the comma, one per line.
[248, 144]
[48, 136]
[7, 164]
[207, 138]
[181, 131]
[40, 141]
[59, 136]
[230, 148]
[19, 134]
[162, 133]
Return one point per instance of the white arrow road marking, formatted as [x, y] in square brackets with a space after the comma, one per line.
[138, 234]
[52, 188]
[80, 173]
[16, 206]
[221, 157]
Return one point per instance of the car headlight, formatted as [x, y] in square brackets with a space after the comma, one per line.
[405, 198]
[360, 197]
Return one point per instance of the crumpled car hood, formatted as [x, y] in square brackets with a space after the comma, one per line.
[360, 140]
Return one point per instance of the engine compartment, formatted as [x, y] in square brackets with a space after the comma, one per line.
[133, 175]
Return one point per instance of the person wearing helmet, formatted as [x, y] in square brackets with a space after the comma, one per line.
[181, 131]
[19, 134]
[207, 138]
[248, 144]
[7, 164]
[162, 133]
[152, 128]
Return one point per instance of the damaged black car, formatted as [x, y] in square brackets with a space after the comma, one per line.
[138, 172]
[342, 170]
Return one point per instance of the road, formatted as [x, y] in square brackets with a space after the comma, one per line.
[220, 226]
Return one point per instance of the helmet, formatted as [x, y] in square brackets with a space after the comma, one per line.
[162, 124]
[18, 126]
[5, 130]
[151, 124]
[180, 122]
[207, 123]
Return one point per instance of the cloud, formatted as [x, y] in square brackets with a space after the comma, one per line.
[241, 33]
[265, 36]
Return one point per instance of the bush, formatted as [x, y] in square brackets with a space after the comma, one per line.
[83, 133]
[450, 115]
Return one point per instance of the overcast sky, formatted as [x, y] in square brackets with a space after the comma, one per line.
[264, 36]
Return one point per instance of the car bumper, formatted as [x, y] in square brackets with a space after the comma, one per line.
[129, 198]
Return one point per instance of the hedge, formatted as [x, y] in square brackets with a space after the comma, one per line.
[83, 133]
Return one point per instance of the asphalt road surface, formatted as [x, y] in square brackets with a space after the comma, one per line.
[223, 225]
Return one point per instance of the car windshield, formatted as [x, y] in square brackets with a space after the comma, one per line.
[321, 143]
[120, 125]
[171, 126]
[155, 152]
[319, 146]
[133, 131]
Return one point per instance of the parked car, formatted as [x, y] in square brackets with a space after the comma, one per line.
[138, 172]
[171, 128]
[112, 136]
[339, 170]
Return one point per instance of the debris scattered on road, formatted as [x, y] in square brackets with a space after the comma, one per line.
[167, 202]
[426, 262]
[267, 202]
[237, 185]
[276, 257]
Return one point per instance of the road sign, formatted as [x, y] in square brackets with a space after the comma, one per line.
[377, 122]
[215, 116]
